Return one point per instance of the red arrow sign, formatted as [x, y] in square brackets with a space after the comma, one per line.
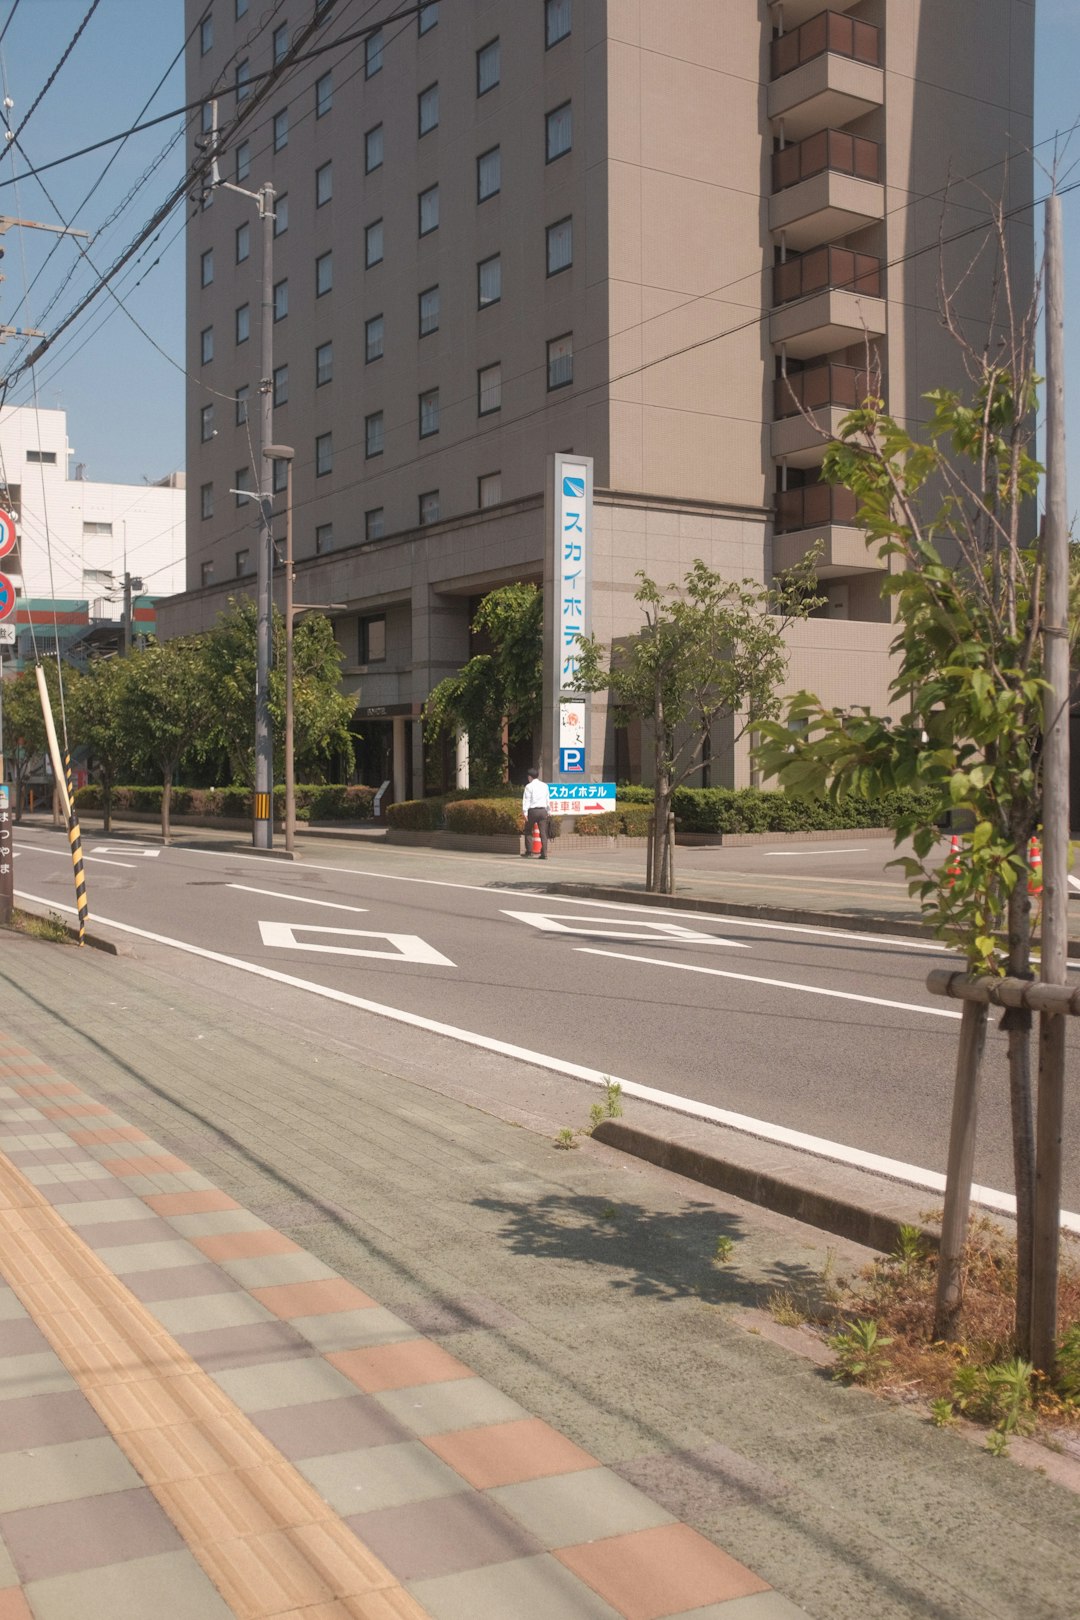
[8, 537]
[7, 597]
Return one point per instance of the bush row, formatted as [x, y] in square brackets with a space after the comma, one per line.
[319, 802]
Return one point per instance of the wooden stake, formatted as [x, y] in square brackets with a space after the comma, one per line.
[962, 1130]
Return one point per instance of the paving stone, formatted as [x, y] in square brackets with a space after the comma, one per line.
[442, 1536]
[83, 1534]
[504, 1453]
[185, 1282]
[208, 1311]
[190, 1203]
[762, 1606]
[209, 1223]
[103, 1189]
[12, 1308]
[249, 1344]
[149, 1256]
[650, 1574]
[115, 1234]
[41, 1374]
[13, 1605]
[48, 1420]
[536, 1588]
[9, 1575]
[83, 1170]
[269, 1269]
[62, 1473]
[351, 1330]
[324, 1427]
[588, 1506]
[398, 1366]
[283, 1383]
[459, 1404]
[380, 1477]
[169, 1585]
[112, 1209]
[249, 1245]
[22, 1337]
[313, 1298]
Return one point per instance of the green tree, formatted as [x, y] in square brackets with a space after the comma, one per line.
[101, 724]
[166, 709]
[498, 694]
[709, 658]
[25, 742]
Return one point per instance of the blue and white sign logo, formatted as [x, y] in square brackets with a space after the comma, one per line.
[574, 487]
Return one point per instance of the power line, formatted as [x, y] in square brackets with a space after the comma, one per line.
[47, 86]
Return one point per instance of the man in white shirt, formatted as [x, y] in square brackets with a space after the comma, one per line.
[536, 807]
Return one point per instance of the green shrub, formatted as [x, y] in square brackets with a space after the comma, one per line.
[87, 798]
[750, 810]
[336, 803]
[484, 816]
[632, 820]
[415, 815]
[628, 793]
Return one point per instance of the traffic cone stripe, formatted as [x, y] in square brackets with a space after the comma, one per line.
[537, 846]
[1035, 865]
[952, 870]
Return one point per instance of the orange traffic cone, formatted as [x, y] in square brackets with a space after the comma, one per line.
[952, 871]
[1035, 865]
[537, 845]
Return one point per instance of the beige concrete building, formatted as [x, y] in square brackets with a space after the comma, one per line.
[508, 228]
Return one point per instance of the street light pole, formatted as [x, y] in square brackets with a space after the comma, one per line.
[272, 453]
[264, 740]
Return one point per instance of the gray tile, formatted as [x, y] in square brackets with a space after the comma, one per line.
[171, 1584]
[41, 1374]
[378, 1477]
[215, 1221]
[284, 1383]
[114, 1234]
[322, 1427]
[33, 1139]
[11, 1306]
[270, 1269]
[353, 1330]
[251, 1345]
[127, 1150]
[184, 1282]
[760, 1606]
[442, 1536]
[208, 1311]
[111, 1209]
[536, 1588]
[74, 1170]
[150, 1256]
[572, 1508]
[9, 1575]
[47, 1420]
[21, 1337]
[84, 1534]
[65, 1472]
[460, 1403]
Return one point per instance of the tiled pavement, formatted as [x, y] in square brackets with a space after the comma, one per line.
[198, 1418]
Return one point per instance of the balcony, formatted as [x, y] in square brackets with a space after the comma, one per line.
[828, 391]
[825, 74]
[826, 186]
[823, 516]
[797, 11]
[826, 300]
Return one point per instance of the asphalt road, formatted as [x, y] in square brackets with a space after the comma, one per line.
[822, 1033]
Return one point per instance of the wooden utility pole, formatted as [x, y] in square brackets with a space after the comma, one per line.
[1055, 931]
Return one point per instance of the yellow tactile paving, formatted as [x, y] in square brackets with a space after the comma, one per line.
[266, 1538]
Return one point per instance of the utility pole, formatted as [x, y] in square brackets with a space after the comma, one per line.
[1047, 1225]
[130, 585]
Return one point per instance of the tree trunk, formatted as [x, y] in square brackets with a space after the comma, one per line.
[166, 806]
[661, 792]
[106, 806]
[1017, 1024]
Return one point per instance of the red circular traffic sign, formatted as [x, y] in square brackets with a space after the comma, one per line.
[7, 597]
[8, 537]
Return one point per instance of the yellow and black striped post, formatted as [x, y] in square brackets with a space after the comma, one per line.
[262, 807]
[75, 840]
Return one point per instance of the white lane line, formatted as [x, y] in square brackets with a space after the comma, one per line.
[44, 849]
[104, 862]
[776, 984]
[300, 899]
[896, 1169]
[794, 854]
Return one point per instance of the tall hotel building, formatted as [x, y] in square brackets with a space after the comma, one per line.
[644, 231]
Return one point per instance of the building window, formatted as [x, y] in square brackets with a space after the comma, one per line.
[324, 184]
[280, 39]
[489, 281]
[324, 274]
[243, 242]
[373, 54]
[373, 243]
[206, 267]
[243, 323]
[206, 501]
[372, 647]
[373, 338]
[243, 160]
[242, 485]
[206, 344]
[560, 131]
[429, 506]
[281, 299]
[44, 457]
[556, 21]
[242, 395]
[427, 110]
[281, 129]
[429, 311]
[281, 385]
[206, 424]
[279, 475]
[324, 454]
[324, 95]
[206, 574]
[429, 413]
[324, 364]
[324, 538]
[429, 210]
[243, 562]
[281, 214]
[487, 67]
[560, 361]
[489, 490]
[488, 174]
[427, 16]
[374, 523]
[206, 35]
[373, 149]
[92, 527]
[373, 434]
[560, 246]
[241, 7]
[489, 389]
[243, 80]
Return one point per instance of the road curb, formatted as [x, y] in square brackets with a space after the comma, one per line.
[873, 1228]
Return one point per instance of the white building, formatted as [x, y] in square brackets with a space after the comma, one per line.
[95, 531]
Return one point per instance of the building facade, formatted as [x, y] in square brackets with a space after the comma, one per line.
[646, 233]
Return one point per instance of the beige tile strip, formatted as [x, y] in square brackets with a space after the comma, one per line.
[266, 1538]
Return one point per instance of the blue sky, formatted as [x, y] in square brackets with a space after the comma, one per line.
[123, 395]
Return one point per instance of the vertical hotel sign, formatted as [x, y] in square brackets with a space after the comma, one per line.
[571, 616]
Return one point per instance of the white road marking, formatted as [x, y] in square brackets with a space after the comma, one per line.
[777, 984]
[1075, 881]
[144, 851]
[793, 854]
[300, 899]
[896, 1169]
[612, 928]
[104, 862]
[405, 947]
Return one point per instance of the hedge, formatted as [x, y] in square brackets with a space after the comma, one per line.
[633, 819]
[484, 816]
[745, 810]
[318, 802]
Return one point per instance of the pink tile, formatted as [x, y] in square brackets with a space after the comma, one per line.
[650, 1574]
[245, 1245]
[507, 1453]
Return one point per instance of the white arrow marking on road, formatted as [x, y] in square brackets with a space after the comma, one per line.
[776, 984]
[146, 854]
[635, 929]
[405, 947]
[298, 899]
[1074, 881]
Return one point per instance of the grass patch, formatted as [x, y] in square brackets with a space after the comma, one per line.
[52, 927]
